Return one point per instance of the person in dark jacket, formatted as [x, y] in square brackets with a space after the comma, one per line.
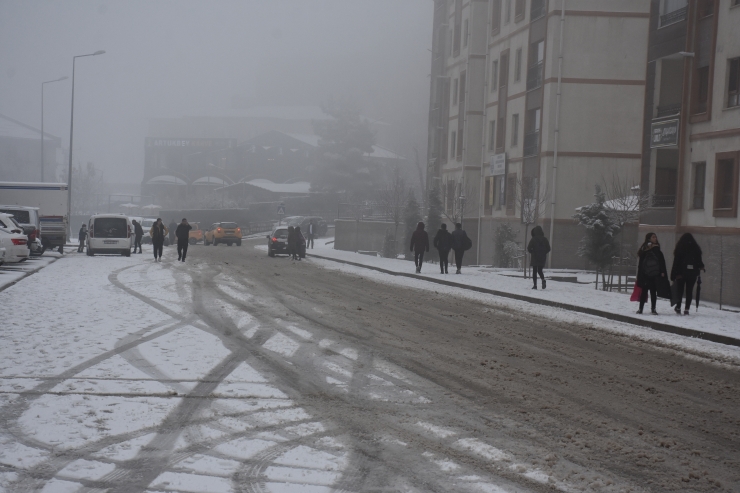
[419, 245]
[538, 248]
[82, 236]
[687, 263]
[171, 228]
[158, 233]
[460, 243]
[290, 242]
[299, 243]
[138, 234]
[650, 269]
[183, 237]
[443, 244]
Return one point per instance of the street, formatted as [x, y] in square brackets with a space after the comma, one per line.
[239, 372]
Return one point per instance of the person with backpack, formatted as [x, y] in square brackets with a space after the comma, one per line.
[443, 244]
[138, 234]
[182, 233]
[538, 249]
[158, 232]
[651, 270]
[419, 245]
[460, 243]
[687, 263]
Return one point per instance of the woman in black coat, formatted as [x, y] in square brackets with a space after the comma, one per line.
[538, 248]
[419, 245]
[650, 269]
[687, 263]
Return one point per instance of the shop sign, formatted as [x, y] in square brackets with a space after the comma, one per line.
[664, 134]
[498, 164]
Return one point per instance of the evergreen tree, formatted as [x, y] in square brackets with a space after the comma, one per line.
[505, 238]
[434, 210]
[599, 245]
[411, 217]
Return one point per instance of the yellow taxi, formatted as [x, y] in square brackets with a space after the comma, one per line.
[196, 234]
[229, 233]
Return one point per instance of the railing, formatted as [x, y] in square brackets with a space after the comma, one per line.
[531, 144]
[537, 9]
[673, 17]
[668, 110]
[534, 76]
[663, 201]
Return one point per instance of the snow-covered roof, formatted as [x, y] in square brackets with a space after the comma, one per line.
[298, 187]
[165, 180]
[11, 128]
[212, 180]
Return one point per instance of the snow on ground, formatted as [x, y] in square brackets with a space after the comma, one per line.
[10, 273]
[708, 318]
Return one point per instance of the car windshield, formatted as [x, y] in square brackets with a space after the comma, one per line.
[20, 216]
[229, 225]
[110, 227]
[280, 234]
[147, 223]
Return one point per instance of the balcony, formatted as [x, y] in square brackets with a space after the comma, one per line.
[663, 201]
[538, 9]
[531, 144]
[668, 110]
[673, 17]
[534, 76]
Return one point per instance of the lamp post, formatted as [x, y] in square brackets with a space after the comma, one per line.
[42, 121]
[71, 135]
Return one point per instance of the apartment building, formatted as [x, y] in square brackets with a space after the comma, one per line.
[534, 101]
[691, 141]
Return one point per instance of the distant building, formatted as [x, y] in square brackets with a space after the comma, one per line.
[20, 153]
[494, 109]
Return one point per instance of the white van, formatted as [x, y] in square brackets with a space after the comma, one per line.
[110, 233]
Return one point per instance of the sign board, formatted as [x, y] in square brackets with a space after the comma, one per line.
[664, 134]
[498, 164]
[281, 210]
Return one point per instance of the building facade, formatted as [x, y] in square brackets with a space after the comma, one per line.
[20, 153]
[691, 141]
[534, 102]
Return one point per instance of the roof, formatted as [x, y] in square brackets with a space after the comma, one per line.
[212, 180]
[11, 128]
[166, 180]
[298, 187]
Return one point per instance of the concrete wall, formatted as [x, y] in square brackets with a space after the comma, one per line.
[353, 235]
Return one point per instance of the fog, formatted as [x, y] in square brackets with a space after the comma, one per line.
[181, 58]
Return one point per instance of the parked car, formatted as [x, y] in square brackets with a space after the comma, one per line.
[2, 255]
[146, 225]
[110, 233]
[28, 218]
[196, 234]
[277, 243]
[303, 221]
[13, 240]
[229, 233]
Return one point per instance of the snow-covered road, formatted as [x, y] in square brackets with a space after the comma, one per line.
[224, 374]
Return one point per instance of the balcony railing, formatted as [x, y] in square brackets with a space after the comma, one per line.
[668, 110]
[663, 201]
[531, 144]
[534, 76]
[538, 9]
[673, 17]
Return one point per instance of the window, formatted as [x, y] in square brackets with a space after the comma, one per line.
[489, 196]
[700, 173]
[466, 32]
[725, 185]
[499, 191]
[450, 196]
[519, 10]
[110, 227]
[458, 27]
[452, 52]
[492, 135]
[514, 130]
[494, 75]
[461, 97]
[453, 141]
[518, 65]
[510, 189]
[495, 17]
[733, 83]
[702, 90]
[459, 143]
[504, 72]
[507, 11]
[705, 8]
[501, 135]
[455, 90]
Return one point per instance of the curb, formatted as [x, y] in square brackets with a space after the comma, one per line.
[661, 327]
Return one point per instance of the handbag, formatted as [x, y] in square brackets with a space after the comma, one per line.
[636, 293]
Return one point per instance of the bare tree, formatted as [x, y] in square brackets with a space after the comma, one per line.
[532, 201]
[422, 181]
[392, 200]
[460, 201]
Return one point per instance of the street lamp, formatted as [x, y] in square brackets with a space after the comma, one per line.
[71, 134]
[42, 121]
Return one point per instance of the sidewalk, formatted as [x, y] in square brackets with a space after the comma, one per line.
[12, 273]
[708, 323]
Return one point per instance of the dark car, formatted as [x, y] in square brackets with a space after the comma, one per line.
[303, 221]
[277, 243]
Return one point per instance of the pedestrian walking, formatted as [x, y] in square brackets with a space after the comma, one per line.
[311, 233]
[138, 234]
[171, 227]
[460, 243]
[538, 249]
[419, 245]
[158, 233]
[650, 270]
[183, 237]
[82, 236]
[290, 243]
[687, 263]
[443, 244]
[299, 244]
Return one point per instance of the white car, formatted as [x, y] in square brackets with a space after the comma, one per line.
[110, 233]
[13, 240]
[2, 255]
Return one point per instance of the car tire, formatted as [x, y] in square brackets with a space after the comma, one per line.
[126, 253]
[90, 252]
[239, 243]
[270, 252]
